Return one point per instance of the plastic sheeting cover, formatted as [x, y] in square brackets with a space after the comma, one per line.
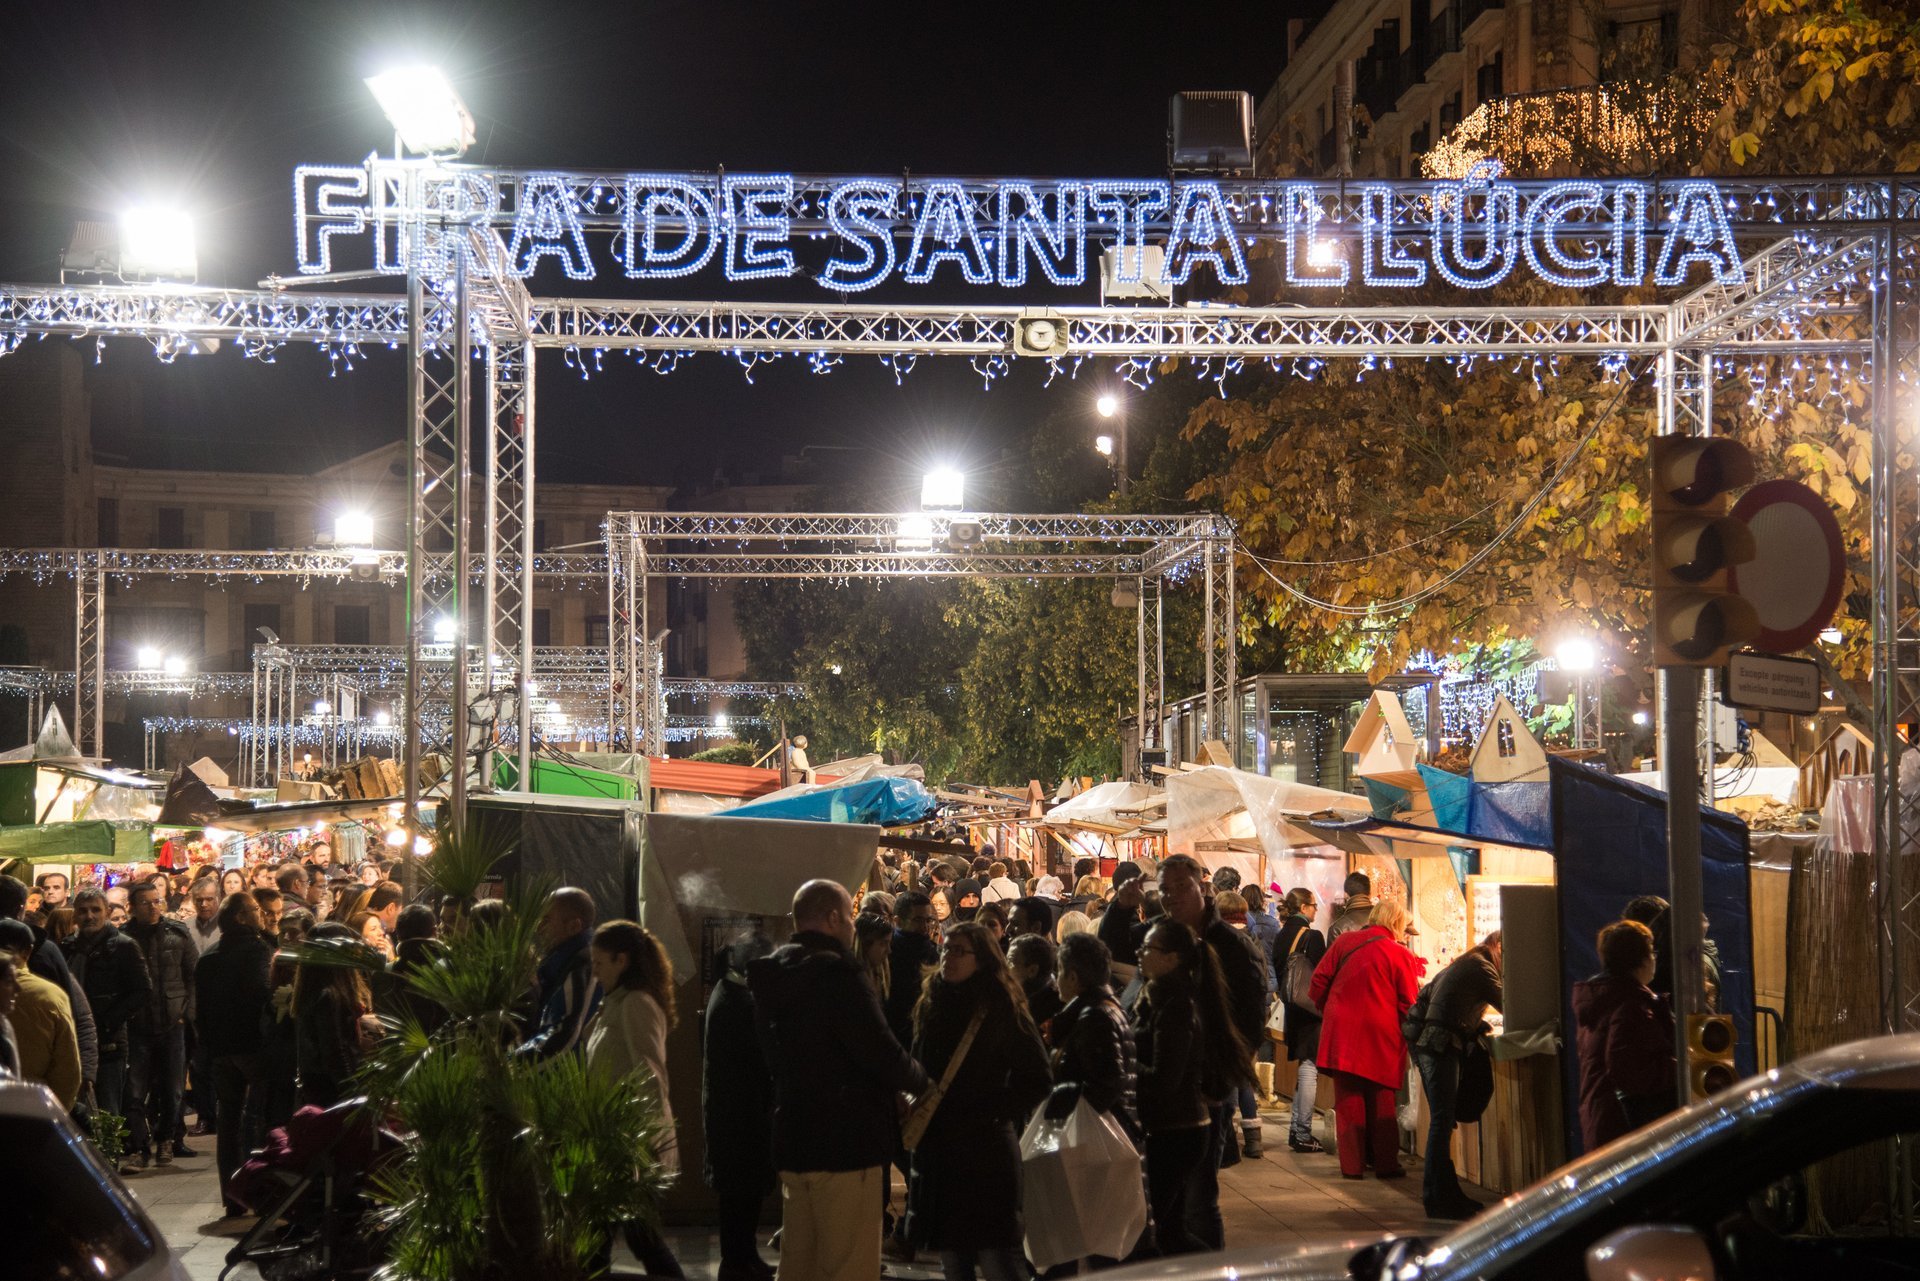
[1218, 804]
[1102, 803]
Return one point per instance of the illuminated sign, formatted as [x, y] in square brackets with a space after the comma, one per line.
[1472, 233]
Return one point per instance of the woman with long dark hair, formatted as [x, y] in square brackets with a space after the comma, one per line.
[1190, 1056]
[329, 1001]
[965, 1198]
[630, 1032]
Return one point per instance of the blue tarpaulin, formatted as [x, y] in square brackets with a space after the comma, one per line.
[1610, 843]
[887, 802]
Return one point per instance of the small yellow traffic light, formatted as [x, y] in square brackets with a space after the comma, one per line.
[1710, 1042]
[1697, 618]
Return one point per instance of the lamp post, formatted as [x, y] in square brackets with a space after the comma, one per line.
[430, 121]
[1109, 406]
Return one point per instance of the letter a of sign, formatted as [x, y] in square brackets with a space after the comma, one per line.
[548, 222]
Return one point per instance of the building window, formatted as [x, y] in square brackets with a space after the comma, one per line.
[542, 628]
[171, 528]
[1450, 111]
[1487, 85]
[109, 522]
[596, 629]
[254, 618]
[539, 535]
[352, 625]
[1420, 141]
[260, 534]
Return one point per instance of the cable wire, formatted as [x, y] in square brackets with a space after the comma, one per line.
[1533, 504]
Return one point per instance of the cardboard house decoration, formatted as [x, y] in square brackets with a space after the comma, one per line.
[1845, 752]
[1507, 751]
[1382, 739]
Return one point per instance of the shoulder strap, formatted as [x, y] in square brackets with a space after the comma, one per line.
[960, 1050]
[1298, 937]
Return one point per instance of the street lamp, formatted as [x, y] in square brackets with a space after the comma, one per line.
[428, 117]
[1579, 655]
[1109, 406]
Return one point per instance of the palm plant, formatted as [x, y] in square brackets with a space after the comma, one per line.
[511, 1167]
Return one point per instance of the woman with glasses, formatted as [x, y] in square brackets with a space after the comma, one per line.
[1189, 1055]
[965, 1198]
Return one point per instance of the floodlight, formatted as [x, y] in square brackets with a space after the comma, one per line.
[424, 110]
[1108, 405]
[322, 707]
[914, 533]
[1322, 253]
[444, 630]
[1577, 654]
[944, 489]
[147, 658]
[422, 846]
[157, 244]
[1831, 636]
[396, 836]
[1641, 718]
[174, 665]
[383, 718]
[721, 720]
[1104, 444]
[353, 529]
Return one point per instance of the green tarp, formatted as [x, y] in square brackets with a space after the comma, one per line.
[562, 778]
[98, 841]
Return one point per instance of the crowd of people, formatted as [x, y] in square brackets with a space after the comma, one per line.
[918, 1028]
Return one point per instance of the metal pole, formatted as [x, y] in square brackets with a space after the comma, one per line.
[416, 553]
[1680, 774]
[524, 723]
[1122, 433]
[460, 350]
[1140, 679]
[1159, 661]
[1210, 712]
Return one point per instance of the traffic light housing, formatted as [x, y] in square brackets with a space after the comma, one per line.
[1697, 618]
[1710, 1042]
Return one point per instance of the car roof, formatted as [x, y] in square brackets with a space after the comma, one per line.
[30, 1099]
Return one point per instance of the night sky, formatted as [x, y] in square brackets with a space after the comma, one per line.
[212, 105]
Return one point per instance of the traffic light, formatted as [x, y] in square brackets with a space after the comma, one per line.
[1696, 616]
[1710, 1042]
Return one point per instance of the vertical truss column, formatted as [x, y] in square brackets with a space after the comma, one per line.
[507, 639]
[438, 395]
[89, 652]
[1230, 646]
[1209, 706]
[632, 674]
[1140, 680]
[1896, 619]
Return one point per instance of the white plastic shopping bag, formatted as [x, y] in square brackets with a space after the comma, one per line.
[1082, 1192]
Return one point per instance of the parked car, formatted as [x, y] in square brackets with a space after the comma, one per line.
[72, 1215]
[1784, 1175]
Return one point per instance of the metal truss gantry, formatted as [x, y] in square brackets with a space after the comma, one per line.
[1144, 552]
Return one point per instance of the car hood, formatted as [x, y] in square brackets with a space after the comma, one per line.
[1305, 1263]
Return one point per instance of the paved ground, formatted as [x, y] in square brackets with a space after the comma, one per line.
[1281, 1200]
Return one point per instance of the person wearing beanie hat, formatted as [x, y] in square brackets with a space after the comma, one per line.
[966, 898]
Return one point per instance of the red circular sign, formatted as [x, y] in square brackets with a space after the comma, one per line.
[1798, 568]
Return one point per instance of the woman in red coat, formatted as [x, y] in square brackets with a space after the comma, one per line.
[1625, 1038]
[1364, 983]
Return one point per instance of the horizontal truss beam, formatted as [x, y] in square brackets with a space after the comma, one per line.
[301, 563]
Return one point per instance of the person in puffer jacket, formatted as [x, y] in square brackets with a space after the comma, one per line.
[1625, 1039]
[157, 1033]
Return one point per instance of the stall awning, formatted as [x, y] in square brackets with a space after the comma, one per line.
[887, 802]
[1390, 838]
[96, 841]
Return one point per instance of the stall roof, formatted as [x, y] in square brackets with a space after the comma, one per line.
[1392, 838]
[95, 841]
[669, 774]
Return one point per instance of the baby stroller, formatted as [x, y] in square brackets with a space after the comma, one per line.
[306, 1186]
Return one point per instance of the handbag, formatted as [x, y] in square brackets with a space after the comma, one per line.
[915, 1127]
[1296, 975]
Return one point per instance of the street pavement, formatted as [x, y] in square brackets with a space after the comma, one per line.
[1280, 1201]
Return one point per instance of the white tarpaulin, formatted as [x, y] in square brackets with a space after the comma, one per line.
[1106, 805]
[1221, 804]
[1782, 782]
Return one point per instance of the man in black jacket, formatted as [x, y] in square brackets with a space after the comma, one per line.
[232, 991]
[1119, 923]
[837, 1074]
[913, 954]
[1455, 1004]
[1183, 889]
[157, 1039]
[113, 974]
